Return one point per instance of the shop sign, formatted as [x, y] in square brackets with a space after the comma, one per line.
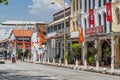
[94, 30]
[74, 34]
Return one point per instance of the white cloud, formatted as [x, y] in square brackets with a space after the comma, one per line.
[44, 8]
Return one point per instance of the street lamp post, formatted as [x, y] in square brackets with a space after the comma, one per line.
[63, 3]
[23, 43]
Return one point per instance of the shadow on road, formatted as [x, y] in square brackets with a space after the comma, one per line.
[19, 75]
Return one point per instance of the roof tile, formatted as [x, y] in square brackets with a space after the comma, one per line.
[25, 33]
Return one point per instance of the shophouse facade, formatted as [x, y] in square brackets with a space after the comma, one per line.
[55, 35]
[101, 35]
[35, 39]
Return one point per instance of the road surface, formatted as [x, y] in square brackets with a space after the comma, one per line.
[31, 71]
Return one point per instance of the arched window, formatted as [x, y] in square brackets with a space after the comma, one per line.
[73, 6]
[118, 16]
[89, 4]
[77, 25]
[77, 4]
[88, 22]
[104, 2]
[94, 3]
[99, 19]
[85, 25]
[110, 26]
[104, 19]
[110, 0]
[73, 26]
[80, 4]
[85, 5]
[99, 2]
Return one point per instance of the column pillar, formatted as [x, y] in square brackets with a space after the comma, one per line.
[97, 43]
[112, 55]
[84, 46]
[60, 53]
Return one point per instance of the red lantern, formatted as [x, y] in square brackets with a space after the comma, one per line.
[60, 32]
[56, 34]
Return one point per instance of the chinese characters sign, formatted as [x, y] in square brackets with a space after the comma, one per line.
[94, 30]
[91, 16]
[109, 11]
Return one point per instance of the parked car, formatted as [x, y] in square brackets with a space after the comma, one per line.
[2, 59]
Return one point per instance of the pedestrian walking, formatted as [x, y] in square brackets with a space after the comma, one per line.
[40, 56]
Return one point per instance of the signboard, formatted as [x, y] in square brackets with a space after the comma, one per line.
[23, 38]
[53, 43]
[109, 11]
[94, 30]
[74, 34]
[91, 16]
[51, 34]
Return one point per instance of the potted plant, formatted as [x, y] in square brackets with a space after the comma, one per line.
[92, 51]
[69, 56]
[77, 47]
[107, 55]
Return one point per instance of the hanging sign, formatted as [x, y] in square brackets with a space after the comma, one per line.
[109, 11]
[91, 16]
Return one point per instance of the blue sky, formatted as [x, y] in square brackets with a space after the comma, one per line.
[38, 10]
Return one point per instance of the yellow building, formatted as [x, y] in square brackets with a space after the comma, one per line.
[75, 10]
[116, 29]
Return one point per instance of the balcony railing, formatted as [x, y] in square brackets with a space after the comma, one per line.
[58, 33]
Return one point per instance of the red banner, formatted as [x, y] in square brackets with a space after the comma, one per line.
[91, 16]
[109, 11]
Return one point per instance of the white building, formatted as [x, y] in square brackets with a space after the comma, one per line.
[7, 27]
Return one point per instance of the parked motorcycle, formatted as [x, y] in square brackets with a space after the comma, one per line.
[13, 60]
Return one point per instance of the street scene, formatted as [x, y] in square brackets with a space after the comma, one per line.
[60, 40]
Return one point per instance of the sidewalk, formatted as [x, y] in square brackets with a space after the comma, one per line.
[102, 70]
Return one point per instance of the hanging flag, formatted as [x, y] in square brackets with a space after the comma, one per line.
[24, 45]
[91, 16]
[81, 35]
[42, 37]
[109, 11]
[40, 44]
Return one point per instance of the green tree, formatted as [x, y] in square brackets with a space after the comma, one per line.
[92, 51]
[68, 56]
[4, 1]
[77, 49]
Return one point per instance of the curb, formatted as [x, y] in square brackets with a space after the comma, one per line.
[82, 69]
